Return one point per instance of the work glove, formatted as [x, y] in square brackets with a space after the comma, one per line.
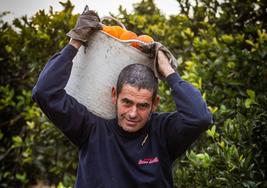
[152, 50]
[86, 24]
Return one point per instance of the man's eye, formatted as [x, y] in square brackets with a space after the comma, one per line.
[144, 106]
[126, 102]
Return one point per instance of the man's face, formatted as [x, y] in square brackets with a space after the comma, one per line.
[134, 107]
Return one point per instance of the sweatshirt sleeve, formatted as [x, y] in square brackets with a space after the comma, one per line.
[191, 118]
[71, 117]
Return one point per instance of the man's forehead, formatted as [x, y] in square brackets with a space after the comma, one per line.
[132, 91]
[135, 88]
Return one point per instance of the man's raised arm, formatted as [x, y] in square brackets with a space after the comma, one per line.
[64, 111]
[192, 116]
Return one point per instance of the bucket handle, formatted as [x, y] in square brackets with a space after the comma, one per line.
[112, 18]
[131, 40]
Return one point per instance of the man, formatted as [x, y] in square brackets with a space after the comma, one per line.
[138, 148]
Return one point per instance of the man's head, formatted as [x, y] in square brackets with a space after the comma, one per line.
[135, 96]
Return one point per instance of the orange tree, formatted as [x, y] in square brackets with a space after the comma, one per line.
[221, 48]
[31, 149]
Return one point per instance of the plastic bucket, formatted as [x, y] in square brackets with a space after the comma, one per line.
[95, 70]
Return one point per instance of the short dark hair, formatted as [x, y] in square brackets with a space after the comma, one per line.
[139, 76]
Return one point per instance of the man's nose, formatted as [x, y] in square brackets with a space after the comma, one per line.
[133, 112]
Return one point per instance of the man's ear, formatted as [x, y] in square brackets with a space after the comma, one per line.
[114, 95]
[155, 103]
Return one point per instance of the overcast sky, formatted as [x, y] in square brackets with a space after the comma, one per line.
[103, 7]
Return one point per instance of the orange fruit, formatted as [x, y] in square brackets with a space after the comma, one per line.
[128, 35]
[143, 38]
[119, 30]
[110, 30]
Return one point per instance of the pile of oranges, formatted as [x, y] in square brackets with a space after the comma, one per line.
[123, 34]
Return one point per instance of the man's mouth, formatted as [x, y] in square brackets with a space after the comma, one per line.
[131, 122]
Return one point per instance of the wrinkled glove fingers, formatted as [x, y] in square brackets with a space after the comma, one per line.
[90, 26]
[92, 13]
[89, 17]
[148, 48]
[86, 24]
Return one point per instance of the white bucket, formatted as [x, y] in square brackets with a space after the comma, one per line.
[95, 70]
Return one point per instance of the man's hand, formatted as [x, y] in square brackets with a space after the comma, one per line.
[86, 24]
[164, 62]
[164, 67]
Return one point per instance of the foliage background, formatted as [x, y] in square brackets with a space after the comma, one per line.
[222, 49]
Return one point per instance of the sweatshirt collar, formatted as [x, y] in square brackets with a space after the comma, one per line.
[123, 133]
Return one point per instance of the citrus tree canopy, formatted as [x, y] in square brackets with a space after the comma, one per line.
[221, 47]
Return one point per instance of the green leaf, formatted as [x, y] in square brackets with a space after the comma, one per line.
[251, 94]
[8, 48]
[1, 135]
[248, 103]
[21, 177]
[17, 141]
[222, 144]
[212, 132]
[30, 124]
[250, 43]
[227, 38]
[251, 99]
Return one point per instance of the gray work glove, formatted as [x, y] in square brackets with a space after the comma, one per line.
[152, 50]
[86, 24]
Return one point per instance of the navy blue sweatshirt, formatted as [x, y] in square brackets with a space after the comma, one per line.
[108, 156]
